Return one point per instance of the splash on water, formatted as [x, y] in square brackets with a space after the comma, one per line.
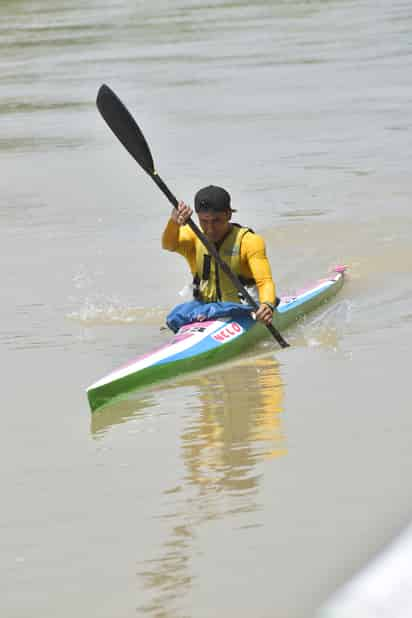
[91, 307]
[113, 311]
[324, 328]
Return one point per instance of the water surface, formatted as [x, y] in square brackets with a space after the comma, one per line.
[253, 489]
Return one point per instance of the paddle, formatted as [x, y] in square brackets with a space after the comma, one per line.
[127, 131]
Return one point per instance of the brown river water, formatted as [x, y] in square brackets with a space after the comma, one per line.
[254, 489]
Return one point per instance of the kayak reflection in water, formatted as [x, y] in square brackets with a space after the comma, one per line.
[242, 250]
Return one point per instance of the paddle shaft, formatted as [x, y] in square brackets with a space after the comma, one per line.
[214, 252]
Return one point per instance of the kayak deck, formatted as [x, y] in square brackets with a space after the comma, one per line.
[201, 344]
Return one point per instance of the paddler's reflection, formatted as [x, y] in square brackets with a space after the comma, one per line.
[237, 426]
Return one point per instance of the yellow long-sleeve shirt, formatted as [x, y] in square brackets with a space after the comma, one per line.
[254, 263]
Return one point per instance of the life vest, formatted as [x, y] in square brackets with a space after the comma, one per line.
[210, 283]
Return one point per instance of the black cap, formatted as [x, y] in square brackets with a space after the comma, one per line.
[212, 198]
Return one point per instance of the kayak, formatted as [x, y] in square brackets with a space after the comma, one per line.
[201, 344]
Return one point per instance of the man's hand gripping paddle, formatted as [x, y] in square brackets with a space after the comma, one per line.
[127, 131]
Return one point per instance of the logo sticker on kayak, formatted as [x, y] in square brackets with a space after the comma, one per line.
[230, 331]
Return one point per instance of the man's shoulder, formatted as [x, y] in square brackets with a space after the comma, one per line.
[251, 238]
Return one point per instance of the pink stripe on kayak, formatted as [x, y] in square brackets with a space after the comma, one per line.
[181, 335]
[162, 347]
[339, 269]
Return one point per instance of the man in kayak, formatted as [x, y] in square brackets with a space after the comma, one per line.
[242, 249]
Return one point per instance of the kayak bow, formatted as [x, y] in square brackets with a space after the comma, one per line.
[201, 344]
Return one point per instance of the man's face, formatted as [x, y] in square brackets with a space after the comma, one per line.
[215, 224]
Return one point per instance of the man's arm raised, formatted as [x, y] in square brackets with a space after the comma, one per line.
[178, 217]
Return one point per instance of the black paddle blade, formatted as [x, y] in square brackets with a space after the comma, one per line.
[125, 128]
